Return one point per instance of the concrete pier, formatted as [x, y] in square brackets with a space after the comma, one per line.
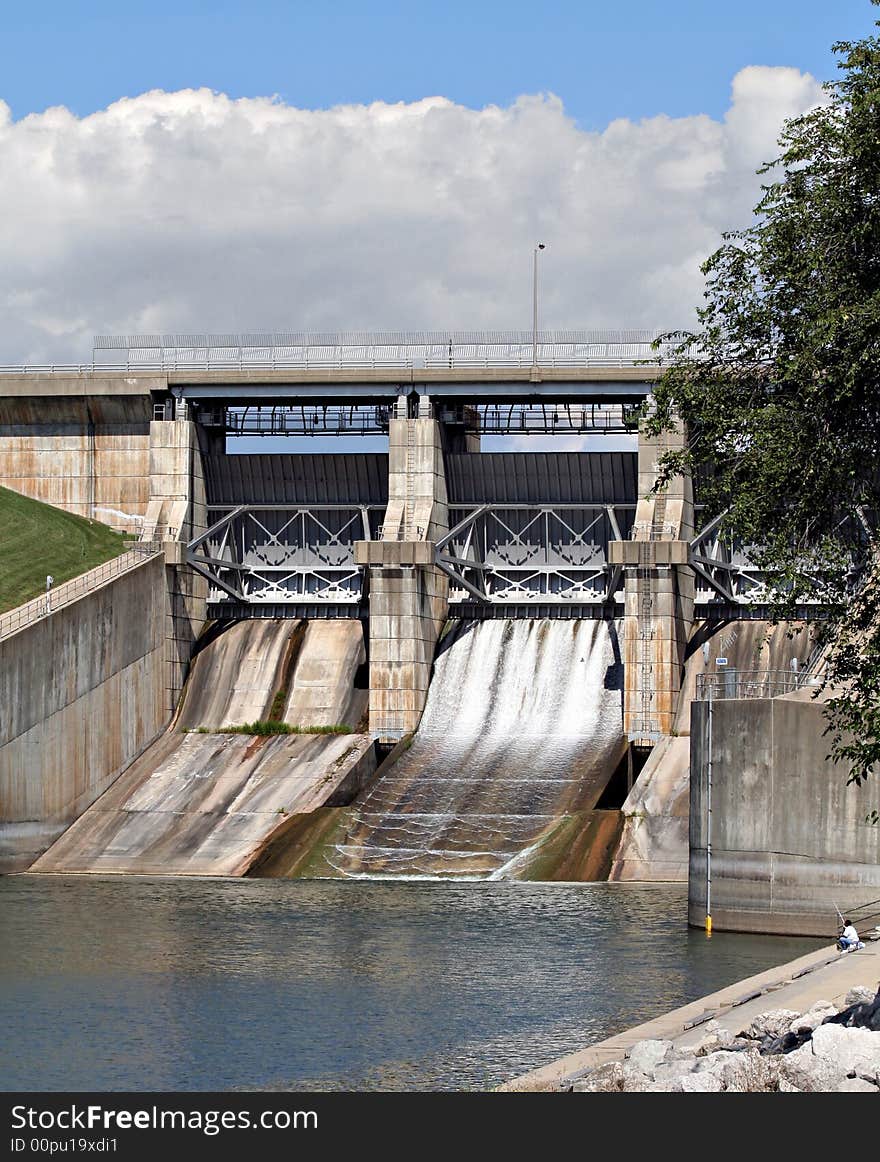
[659, 595]
[408, 593]
[176, 513]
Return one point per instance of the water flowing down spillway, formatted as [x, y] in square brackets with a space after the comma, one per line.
[522, 727]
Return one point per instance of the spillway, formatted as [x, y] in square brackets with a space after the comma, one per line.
[323, 687]
[202, 801]
[522, 729]
[233, 679]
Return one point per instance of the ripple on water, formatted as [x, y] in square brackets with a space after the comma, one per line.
[140, 983]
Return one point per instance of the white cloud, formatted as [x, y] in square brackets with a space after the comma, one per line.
[189, 211]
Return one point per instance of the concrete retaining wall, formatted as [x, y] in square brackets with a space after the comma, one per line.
[87, 454]
[81, 695]
[789, 837]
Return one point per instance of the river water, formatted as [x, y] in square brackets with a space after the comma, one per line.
[164, 984]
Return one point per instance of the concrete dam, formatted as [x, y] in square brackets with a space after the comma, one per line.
[522, 731]
[511, 640]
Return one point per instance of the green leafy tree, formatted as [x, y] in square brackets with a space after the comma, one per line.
[780, 387]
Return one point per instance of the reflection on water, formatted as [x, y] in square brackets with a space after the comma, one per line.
[260, 984]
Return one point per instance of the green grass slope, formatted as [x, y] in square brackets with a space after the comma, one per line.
[36, 539]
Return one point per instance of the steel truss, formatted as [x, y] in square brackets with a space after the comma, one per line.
[725, 573]
[534, 554]
[305, 420]
[523, 419]
[722, 568]
[284, 554]
[501, 555]
[556, 419]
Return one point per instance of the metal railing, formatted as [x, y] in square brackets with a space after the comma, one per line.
[864, 917]
[489, 419]
[70, 591]
[157, 534]
[409, 350]
[555, 419]
[485, 363]
[733, 683]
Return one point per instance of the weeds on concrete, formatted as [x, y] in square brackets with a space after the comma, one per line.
[272, 726]
[278, 704]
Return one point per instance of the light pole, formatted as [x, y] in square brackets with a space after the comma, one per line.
[709, 812]
[540, 246]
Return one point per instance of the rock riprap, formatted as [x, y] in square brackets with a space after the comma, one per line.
[781, 1051]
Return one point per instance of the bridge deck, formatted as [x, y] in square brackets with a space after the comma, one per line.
[359, 384]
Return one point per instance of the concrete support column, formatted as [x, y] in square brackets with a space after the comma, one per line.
[176, 513]
[408, 594]
[417, 508]
[659, 595]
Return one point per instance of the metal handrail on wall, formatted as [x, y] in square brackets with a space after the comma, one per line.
[70, 591]
[475, 363]
[733, 683]
[857, 915]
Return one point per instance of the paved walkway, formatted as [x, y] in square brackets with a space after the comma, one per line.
[823, 975]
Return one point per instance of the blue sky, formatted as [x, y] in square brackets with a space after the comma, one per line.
[231, 167]
[634, 58]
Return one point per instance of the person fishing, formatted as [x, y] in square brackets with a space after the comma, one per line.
[848, 940]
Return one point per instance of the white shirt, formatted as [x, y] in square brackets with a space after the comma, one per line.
[850, 934]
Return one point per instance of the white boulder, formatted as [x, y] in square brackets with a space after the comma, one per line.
[771, 1024]
[852, 1050]
[714, 1039]
[645, 1056]
[703, 1082]
[810, 1073]
[858, 996]
[813, 1017]
[857, 1085]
